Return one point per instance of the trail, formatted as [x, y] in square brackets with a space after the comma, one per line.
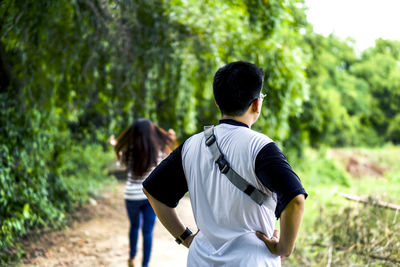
[100, 238]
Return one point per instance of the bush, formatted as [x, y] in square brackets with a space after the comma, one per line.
[84, 171]
[43, 174]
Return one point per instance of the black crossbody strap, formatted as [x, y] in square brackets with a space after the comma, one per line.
[256, 195]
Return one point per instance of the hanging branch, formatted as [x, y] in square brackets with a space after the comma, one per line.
[16, 20]
[378, 203]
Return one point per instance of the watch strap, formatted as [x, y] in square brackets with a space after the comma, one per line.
[180, 239]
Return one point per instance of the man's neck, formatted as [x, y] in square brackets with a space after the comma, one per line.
[243, 119]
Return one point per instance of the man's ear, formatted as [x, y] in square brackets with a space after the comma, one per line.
[255, 106]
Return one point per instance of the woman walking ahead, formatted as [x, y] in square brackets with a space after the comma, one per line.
[142, 146]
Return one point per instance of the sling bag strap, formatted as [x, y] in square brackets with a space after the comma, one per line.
[256, 195]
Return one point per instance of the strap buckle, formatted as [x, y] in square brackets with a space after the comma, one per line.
[210, 140]
[222, 164]
[249, 189]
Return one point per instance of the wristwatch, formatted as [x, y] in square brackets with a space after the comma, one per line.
[183, 236]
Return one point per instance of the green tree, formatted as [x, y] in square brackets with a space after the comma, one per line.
[380, 68]
[339, 106]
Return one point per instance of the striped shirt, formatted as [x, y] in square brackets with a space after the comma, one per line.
[133, 186]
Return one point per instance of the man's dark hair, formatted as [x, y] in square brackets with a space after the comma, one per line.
[236, 85]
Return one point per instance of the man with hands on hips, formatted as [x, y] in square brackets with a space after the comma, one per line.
[238, 181]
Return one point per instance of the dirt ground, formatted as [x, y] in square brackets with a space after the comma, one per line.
[100, 238]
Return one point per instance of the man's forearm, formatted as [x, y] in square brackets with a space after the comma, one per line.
[167, 216]
[289, 225]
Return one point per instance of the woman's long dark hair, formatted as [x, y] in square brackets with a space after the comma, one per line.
[141, 144]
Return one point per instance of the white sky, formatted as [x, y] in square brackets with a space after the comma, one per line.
[363, 20]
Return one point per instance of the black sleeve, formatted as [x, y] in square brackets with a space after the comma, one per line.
[167, 182]
[274, 171]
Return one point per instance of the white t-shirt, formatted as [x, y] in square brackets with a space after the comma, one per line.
[227, 217]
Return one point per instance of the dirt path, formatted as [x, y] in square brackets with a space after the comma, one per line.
[101, 239]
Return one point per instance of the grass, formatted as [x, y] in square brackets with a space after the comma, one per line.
[327, 173]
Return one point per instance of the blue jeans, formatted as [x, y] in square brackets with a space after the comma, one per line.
[141, 215]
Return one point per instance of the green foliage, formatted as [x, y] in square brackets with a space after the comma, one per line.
[353, 99]
[25, 176]
[122, 60]
[393, 129]
[81, 163]
[338, 108]
[381, 70]
[317, 169]
[42, 174]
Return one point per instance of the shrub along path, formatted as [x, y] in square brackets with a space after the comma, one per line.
[99, 237]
